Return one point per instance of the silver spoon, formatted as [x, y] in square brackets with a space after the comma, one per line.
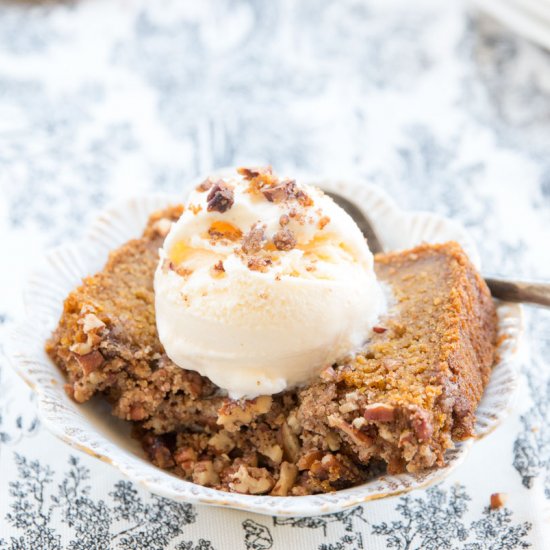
[510, 291]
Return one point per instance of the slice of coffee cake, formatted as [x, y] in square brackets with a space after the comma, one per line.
[418, 382]
[400, 402]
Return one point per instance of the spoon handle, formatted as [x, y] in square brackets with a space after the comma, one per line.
[520, 291]
[511, 291]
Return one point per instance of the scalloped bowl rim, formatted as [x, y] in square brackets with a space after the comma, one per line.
[66, 424]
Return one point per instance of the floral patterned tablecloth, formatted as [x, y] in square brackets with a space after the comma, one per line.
[446, 110]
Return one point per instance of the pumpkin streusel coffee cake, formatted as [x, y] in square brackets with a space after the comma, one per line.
[399, 403]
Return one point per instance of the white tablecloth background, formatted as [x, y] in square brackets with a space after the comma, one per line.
[448, 112]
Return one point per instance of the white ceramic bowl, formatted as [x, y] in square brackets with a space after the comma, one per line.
[92, 429]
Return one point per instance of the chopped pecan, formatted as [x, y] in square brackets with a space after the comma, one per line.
[359, 422]
[291, 443]
[327, 468]
[250, 458]
[379, 330]
[251, 481]
[348, 406]
[157, 451]
[92, 327]
[284, 239]
[194, 384]
[254, 240]
[293, 422]
[328, 374]
[205, 474]
[91, 322]
[286, 480]
[308, 459]
[90, 362]
[280, 192]
[255, 171]
[333, 441]
[221, 442]
[234, 414]
[220, 198]
[273, 452]
[381, 412]
[498, 500]
[356, 436]
[350, 402]
[185, 458]
[81, 348]
[422, 424]
[184, 454]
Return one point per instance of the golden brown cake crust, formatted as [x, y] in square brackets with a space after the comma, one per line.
[448, 354]
[400, 402]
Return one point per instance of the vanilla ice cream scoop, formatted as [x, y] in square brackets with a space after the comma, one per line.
[262, 283]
